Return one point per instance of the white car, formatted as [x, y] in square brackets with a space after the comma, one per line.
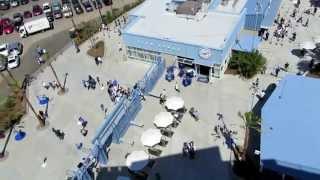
[13, 61]
[46, 8]
[4, 50]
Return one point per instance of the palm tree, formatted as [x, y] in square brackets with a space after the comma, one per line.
[251, 121]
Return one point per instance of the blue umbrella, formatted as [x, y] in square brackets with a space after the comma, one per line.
[20, 135]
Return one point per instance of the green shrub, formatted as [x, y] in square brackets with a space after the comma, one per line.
[127, 7]
[247, 64]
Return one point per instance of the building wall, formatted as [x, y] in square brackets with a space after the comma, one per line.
[173, 48]
[256, 11]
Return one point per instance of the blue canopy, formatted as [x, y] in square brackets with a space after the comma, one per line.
[246, 42]
[290, 128]
[99, 153]
[270, 13]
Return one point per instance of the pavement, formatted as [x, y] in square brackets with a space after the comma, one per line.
[64, 111]
[59, 35]
[228, 96]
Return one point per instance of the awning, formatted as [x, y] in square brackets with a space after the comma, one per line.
[246, 42]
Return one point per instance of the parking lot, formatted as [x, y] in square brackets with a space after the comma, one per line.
[59, 35]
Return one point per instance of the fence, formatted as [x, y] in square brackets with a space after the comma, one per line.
[118, 121]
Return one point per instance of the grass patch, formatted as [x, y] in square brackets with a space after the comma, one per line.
[12, 108]
[97, 50]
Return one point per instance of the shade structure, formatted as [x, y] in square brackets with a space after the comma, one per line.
[137, 160]
[174, 103]
[308, 45]
[99, 153]
[163, 119]
[151, 137]
[82, 174]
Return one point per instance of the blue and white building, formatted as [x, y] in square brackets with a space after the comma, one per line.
[197, 33]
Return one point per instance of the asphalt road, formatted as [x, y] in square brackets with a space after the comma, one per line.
[52, 40]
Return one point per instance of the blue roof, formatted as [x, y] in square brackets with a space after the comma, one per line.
[246, 42]
[271, 13]
[290, 138]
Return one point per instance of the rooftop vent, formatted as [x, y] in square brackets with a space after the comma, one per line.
[189, 7]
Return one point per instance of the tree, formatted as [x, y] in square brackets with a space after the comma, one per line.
[251, 121]
[247, 64]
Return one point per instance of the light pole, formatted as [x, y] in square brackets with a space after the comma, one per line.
[255, 88]
[3, 152]
[62, 89]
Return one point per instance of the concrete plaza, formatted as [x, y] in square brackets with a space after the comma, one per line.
[228, 96]
[26, 156]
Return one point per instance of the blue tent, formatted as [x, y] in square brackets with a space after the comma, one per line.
[290, 128]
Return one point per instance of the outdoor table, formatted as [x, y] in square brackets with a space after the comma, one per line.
[163, 119]
[169, 77]
[43, 100]
[151, 137]
[137, 160]
[186, 81]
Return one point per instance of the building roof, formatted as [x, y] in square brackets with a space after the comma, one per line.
[290, 128]
[231, 6]
[209, 30]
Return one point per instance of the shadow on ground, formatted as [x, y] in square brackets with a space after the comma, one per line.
[206, 166]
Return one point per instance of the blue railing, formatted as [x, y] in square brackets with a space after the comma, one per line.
[118, 121]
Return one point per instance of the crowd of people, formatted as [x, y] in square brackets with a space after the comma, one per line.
[189, 149]
[286, 24]
[116, 91]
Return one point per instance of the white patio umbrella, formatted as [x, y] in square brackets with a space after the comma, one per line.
[308, 45]
[174, 103]
[163, 119]
[137, 160]
[151, 137]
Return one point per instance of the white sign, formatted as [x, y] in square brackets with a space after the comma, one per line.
[205, 53]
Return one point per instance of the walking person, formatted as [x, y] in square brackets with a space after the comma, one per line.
[191, 150]
[185, 150]
[286, 66]
[176, 87]
[306, 23]
[267, 36]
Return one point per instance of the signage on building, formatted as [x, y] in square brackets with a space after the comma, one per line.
[205, 53]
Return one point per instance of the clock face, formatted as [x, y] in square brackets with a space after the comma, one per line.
[205, 53]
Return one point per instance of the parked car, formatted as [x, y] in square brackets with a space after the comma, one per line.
[13, 61]
[76, 6]
[107, 2]
[23, 2]
[3, 63]
[4, 49]
[36, 10]
[15, 48]
[8, 26]
[4, 4]
[14, 3]
[17, 20]
[66, 11]
[1, 29]
[99, 4]
[87, 5]
[56, 9]
[46, 7]
[27, 14]
[50, 16]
